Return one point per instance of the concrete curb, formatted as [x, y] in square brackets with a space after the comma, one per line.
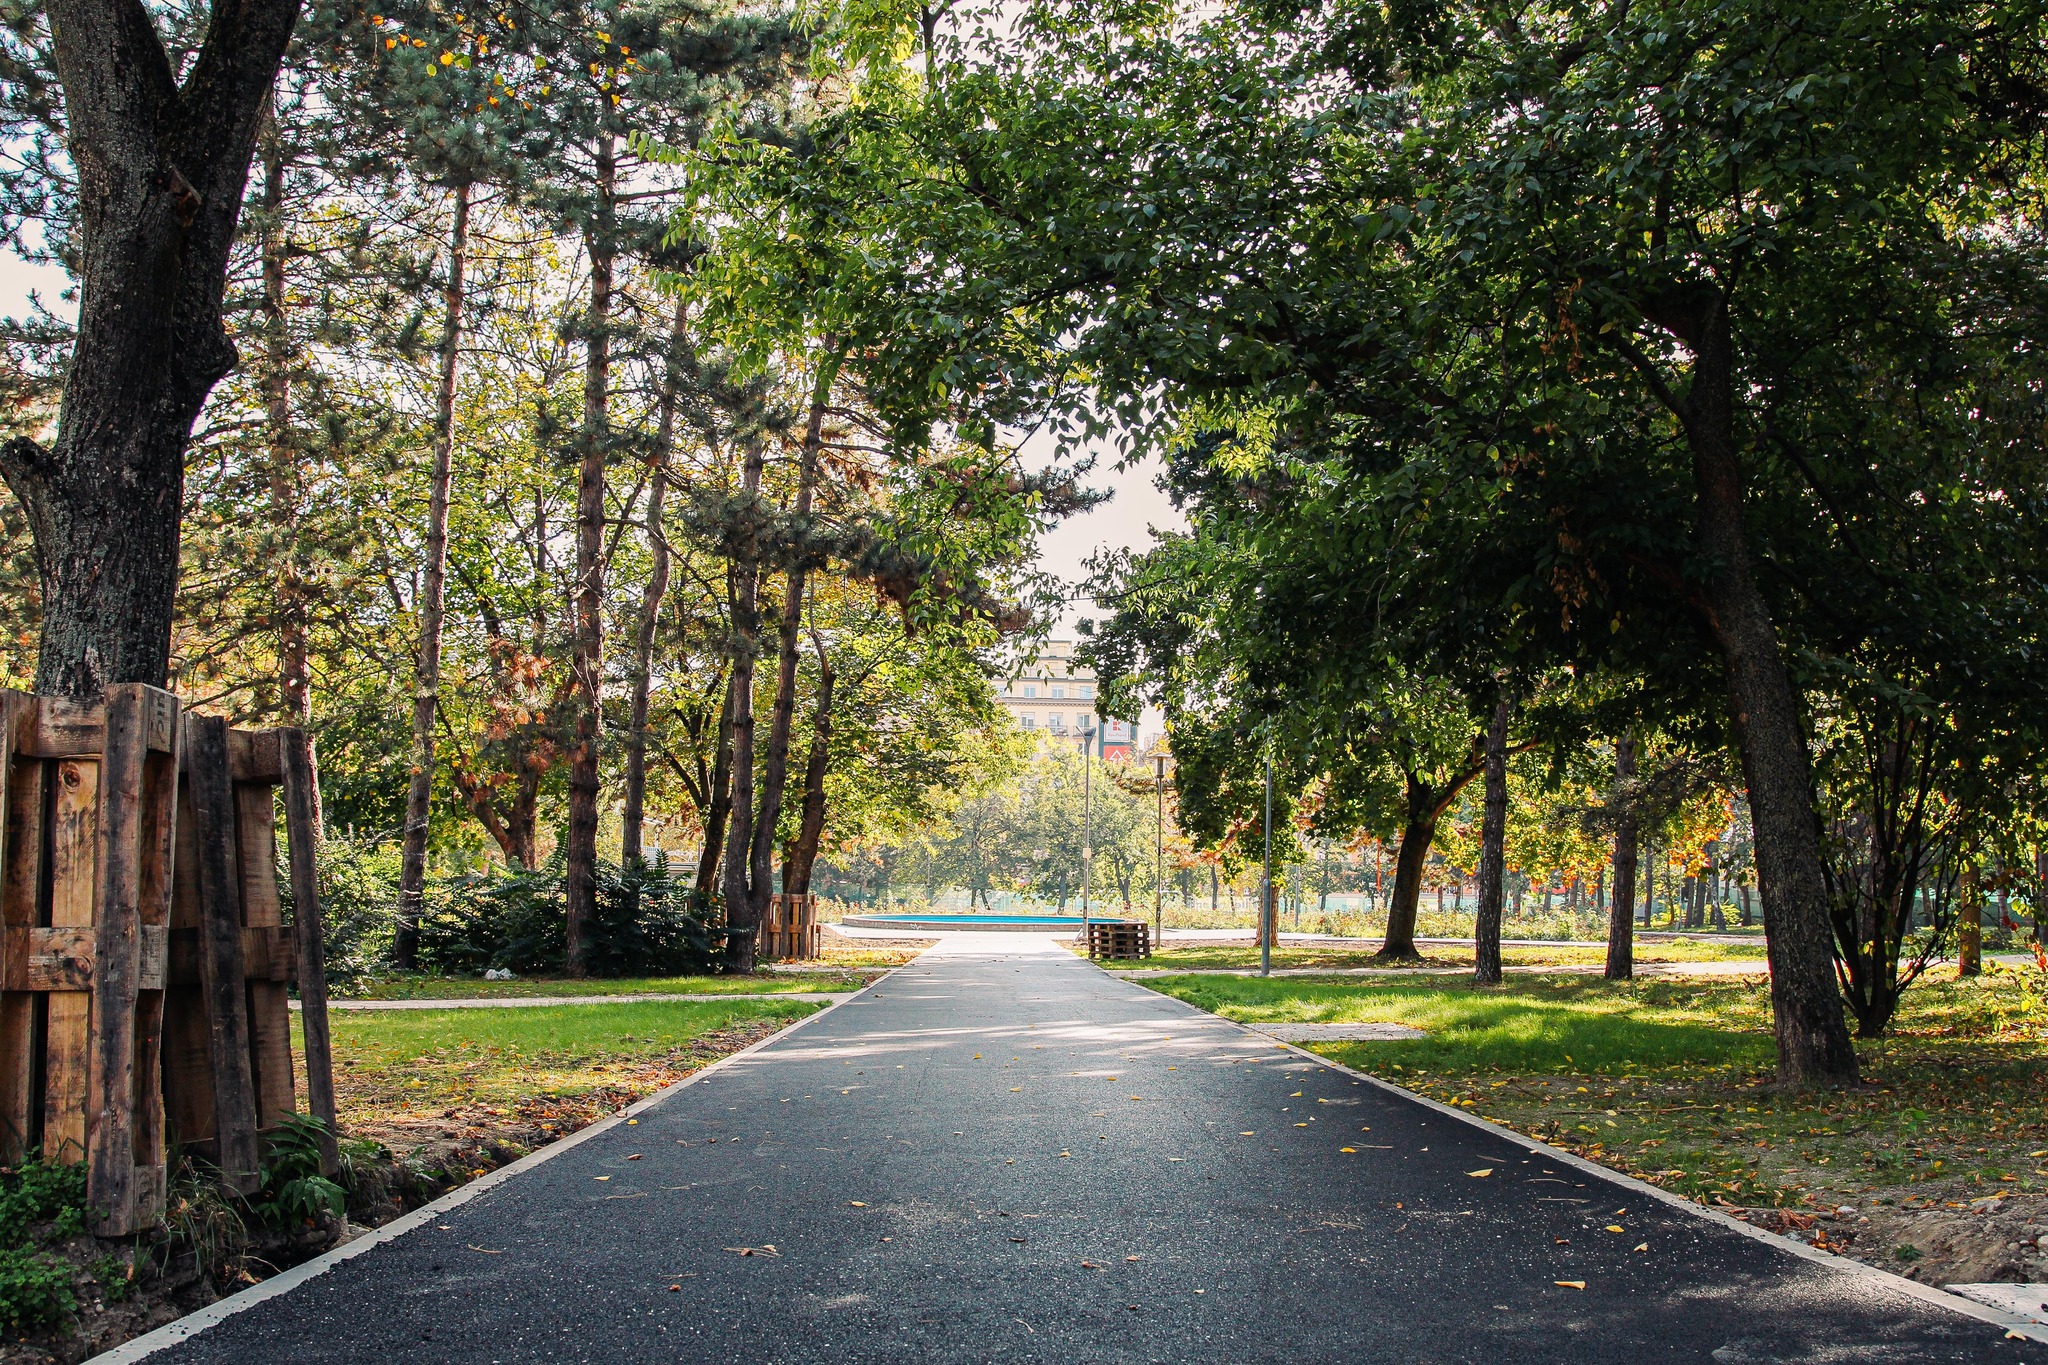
[192, 1324]
[516, 1002]
[1941, 1298]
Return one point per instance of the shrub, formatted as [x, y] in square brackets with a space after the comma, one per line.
[35, 1289]
[477, 921]
[37, 1199]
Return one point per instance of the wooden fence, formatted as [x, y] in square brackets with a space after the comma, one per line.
[144, 962]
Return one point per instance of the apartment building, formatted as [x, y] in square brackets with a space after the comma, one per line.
[1056, 697]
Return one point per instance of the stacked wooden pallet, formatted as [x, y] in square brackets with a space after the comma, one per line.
[144, 962]
[1119, 938]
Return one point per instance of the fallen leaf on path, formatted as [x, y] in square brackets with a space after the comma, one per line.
[1616, 1227]
[855, 1203]
[1130, 1258]
[1347, 1149]
[1644, 1247]
[1483, 1171]
[1090, 1265]
[1569, 1284]
[1249, 1132]
[600, 1177]
[485, 1250]
[634, 1157]
[765, 1249]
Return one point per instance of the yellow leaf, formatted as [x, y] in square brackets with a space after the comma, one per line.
[856, 1203]
[447, 59]
[1616, 1227]
[1347, 1149]
[1487, 1171]
[1569, 1284]
[1644, 1247]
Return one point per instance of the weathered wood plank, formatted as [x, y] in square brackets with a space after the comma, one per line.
[59, 727]
[73, 891]
[117, 966]
[187, 1062]
[267, 955]
[158, 875]
[21, 850]
[270, 1020]
[255, 756]
[302, 844]
[222, 992]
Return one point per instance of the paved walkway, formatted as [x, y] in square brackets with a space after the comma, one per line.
[1001, 1153]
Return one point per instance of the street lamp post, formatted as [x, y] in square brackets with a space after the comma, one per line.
[1266, 892]
[1087, 826]
[1159, 850]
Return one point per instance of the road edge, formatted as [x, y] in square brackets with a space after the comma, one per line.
[192, 1324]
[2014, 1324]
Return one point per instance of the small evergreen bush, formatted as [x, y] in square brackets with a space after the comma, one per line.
[519, 920]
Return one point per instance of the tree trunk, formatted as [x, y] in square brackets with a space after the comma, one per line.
[426, 698]
[1416, 837]
[1970, 925]
[1813, 1036]
[1493, 850]
[650, 611]
[294, 682]
[717, 808]
[782, 719]
[1621, 907]
[796, 869]
[580, 855]
[161, 174]
[740, 915]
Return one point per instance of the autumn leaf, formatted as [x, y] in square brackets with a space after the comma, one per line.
[1485, 1171]
[1569, 1284]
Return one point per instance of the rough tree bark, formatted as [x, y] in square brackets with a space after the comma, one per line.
[433, 599]
[635, 817]
[740, 915]
[803, 850]
[1493, 849]
[1425, 806]
[782, 719]
[161, 171]
[1621, 907]
[715, 808]
[580, 851]
[1812, 1031]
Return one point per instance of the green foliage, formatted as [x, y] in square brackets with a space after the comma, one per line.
[515, 920]
[293, 1190]
[38, 1201]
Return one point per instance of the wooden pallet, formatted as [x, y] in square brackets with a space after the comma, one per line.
[144, 967]
[85, 889]
[789, 929]
[1119, 939]
[227, 1054]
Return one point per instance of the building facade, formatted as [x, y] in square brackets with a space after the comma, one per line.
[1056, 697]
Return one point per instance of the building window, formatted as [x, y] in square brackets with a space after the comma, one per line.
[1056, 723]
[1029, 690]
[1059, 691]
[1030, 723]
[1085, 690]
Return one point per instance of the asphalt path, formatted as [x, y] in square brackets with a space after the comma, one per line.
[1000, 1153]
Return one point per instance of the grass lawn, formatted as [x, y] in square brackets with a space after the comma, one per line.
[466, 1090]
[1671, 1080]
[1335, 956]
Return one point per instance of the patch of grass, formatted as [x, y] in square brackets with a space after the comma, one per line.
[426, 987]
[1674, 1080]
[1244, 956]
[404, 1063]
